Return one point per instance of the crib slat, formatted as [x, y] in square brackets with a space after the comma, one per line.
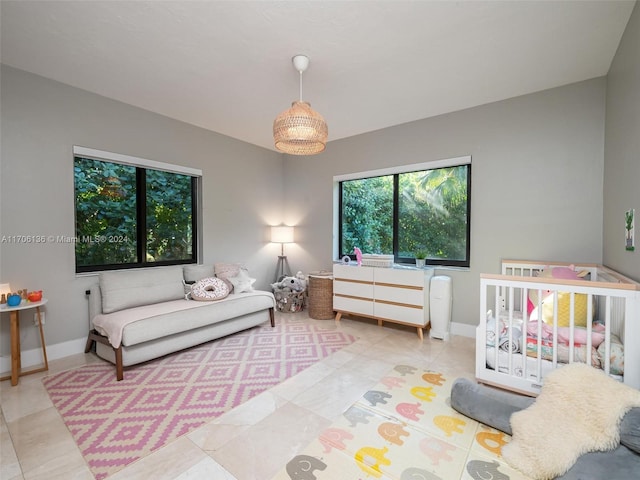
[572, 312]
[510, 332]
[607, 335]
[496, 349]
[589, 328]
[555, 329]
[539, 343]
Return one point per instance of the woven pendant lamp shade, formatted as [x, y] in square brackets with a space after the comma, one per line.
[300, 130]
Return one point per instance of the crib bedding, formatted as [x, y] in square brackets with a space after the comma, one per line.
[517, 364]
[546, 366]
[510, 340]
[616, 355]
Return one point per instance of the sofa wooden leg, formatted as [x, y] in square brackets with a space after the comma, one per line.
[119, 366]
[90, 343]
[272, 317]
[94, 337]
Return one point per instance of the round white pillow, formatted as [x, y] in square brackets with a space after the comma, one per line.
[209, 289]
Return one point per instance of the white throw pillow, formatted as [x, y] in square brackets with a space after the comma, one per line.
[242, 282]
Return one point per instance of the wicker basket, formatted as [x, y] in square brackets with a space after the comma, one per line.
[288, 301]
[320, 297]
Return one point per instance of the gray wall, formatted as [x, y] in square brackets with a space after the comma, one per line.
[537, 183]
[622, 151]
[42, 120]
[537, 167]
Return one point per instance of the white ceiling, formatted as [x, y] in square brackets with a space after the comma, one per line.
[226, 66]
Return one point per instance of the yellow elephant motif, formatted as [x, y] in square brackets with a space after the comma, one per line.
[369, 459]
[449, 425]
[423, 393]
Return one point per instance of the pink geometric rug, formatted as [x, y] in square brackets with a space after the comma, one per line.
[116, 423]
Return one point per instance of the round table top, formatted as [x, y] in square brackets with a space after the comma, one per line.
[24, 305]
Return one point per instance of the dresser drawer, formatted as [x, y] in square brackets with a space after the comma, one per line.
[401, 276]
[353, 305]
[354, 288]
[353, 272]
[399, 294]
[407, 315]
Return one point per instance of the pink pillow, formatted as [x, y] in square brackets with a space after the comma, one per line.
[562, 273]
[225, 271]
[579, 334]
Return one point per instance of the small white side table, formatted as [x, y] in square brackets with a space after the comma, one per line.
[16, 365]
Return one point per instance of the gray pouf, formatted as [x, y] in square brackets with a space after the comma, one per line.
[487, 405]
[494, 408]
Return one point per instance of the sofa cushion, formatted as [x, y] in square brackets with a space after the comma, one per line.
[194, 315]
[133, 288]
[112, 325]
[193, 273]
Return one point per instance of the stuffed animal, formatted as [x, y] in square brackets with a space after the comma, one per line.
[303, 279]
[358, 254]
[292, 283]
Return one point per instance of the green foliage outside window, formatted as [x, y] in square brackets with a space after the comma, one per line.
[432, 215]
[169, 214]
[367, 215]
[109, 231]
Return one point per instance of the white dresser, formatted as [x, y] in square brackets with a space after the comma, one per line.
[398, 295]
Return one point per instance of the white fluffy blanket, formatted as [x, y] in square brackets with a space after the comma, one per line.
[579, 410]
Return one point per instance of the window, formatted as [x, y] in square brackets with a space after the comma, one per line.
[408, 211]
[131, 215]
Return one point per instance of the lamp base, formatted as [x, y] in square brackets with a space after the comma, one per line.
[280, 268]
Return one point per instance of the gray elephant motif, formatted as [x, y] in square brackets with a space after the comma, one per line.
[355, 416]
[301, 467]
[376, 396]
[415, 473]
[480, 470]
[404, 369]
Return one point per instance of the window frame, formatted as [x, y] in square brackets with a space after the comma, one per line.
[142, 166]
[396, 172]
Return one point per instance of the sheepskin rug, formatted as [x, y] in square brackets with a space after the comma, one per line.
[579, 410]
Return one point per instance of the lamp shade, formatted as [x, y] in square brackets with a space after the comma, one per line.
[300, 130]
[282, 234]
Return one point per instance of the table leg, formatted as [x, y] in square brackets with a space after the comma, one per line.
[15, 347]
[44, 348]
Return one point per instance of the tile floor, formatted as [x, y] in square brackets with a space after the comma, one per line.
[251, 442]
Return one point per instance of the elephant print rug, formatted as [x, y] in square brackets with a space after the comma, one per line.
[404, 429]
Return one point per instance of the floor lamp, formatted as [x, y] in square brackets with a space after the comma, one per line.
[281, 234]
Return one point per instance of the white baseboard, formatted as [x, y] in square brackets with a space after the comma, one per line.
[463, 329]
[33, 357]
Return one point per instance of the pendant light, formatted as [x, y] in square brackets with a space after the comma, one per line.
[300, 130]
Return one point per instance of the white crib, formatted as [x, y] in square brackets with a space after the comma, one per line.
[515, 348]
